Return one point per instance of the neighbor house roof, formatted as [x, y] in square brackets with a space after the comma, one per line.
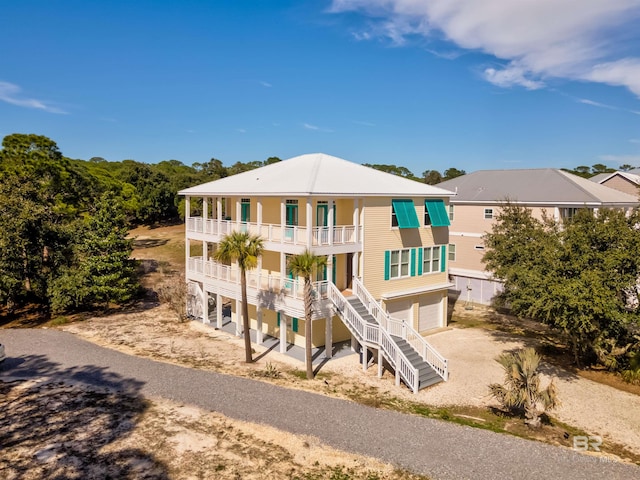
[603, 177]
[545, 186]
[316, 174]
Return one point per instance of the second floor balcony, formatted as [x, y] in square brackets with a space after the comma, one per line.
[276, 233]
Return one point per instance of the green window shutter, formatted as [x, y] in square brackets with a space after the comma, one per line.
[413, 262]
[405, 212]
[295, 325]
[437, 212]
[420, 261]
[278, 315]
[387, 264]
[443, 258]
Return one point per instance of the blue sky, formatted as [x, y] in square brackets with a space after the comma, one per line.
[427, 84]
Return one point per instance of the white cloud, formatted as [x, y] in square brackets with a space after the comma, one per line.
[265, 84]
[10, 93]
[365, 124]
[315, 128]
[593, 103]
[538, 39]
[241, 130]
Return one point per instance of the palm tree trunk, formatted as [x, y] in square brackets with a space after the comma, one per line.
[307, 326]
[245, 318]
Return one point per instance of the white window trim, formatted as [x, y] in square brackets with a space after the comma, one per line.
[438, 259]
[450, 250]
[490, 212]
[400, 263]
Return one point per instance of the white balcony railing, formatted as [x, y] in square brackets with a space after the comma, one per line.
[257, 281]
[296, 235]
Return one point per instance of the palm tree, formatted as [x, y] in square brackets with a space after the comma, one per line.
[305, 265]
[244, 248]
[521, 390]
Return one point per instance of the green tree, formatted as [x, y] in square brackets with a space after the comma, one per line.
[305, 265]
[101, 271]
[432, 177]
[521, 391]
[452, 172]
[243, 248]
[626, 167]
[393, 169]
[579, 277]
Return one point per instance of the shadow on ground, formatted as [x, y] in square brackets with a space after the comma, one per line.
[63, 429]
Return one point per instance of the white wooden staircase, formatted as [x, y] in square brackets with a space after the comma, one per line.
[414, 361]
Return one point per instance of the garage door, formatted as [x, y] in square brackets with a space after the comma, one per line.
[401, 309]
[430, 312]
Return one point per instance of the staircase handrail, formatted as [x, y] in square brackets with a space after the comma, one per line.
[374, 334]
[402, 329]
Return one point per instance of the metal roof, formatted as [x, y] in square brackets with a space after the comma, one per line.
[316, 174]
[545, 186]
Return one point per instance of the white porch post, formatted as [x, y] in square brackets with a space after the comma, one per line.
[356, 220]
[205, 213]
[238, 317]
[365, 354]
[283, 333]
[218, 311]
[354, 344]
[219, 212]
[205, 305]
[380, 360]
[283, 220]
[309, 223]
[259, 216]
[355, 263]
[331, 219]
[238, 213]
[328, 337]
[259, 335]
[205, 252]
[329, 268]
[187, 208]
[187, 251]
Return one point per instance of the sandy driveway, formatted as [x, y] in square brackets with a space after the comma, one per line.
[596, 408]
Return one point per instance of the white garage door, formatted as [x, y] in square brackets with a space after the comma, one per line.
[430, 312]
[401, 309]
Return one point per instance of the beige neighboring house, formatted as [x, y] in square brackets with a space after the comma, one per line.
[386, 243]
[627, 182]
[479, 196]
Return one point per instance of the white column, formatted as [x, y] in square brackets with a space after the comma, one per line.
[355, 263]
[219, 212]
[283, 218]
[205, 208]
[365, 354]
[330, 220]
[309, 223]
[187, 208]
[380, 362]
[330, 268]
[238, 317]
[283, 333]
[205, 305]
[259, 216]
[187, 251]
[238, 213]
[328, 337]
[259, 335]
[218, 311]
[205, 252]
[356, 219]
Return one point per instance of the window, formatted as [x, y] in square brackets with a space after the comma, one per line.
[431, 260]
[245, 210]
[452, 252]
[435, 213]
[450, 212]
[488, 213]
[568, 213]
[403, 214]
[399, 263]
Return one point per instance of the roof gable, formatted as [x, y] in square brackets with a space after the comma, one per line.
[316, 174]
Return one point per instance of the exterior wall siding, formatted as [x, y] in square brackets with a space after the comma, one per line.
[622, 184]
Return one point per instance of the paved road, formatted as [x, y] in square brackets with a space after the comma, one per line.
[438, 449]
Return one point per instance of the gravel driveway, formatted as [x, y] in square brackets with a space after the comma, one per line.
[438, 449]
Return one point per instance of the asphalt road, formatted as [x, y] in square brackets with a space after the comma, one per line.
[435, 448]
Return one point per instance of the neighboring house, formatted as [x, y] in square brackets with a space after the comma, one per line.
[385, 239]
[479, 196]
[627, 182]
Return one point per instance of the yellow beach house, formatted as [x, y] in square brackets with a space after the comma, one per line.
[385, 239]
